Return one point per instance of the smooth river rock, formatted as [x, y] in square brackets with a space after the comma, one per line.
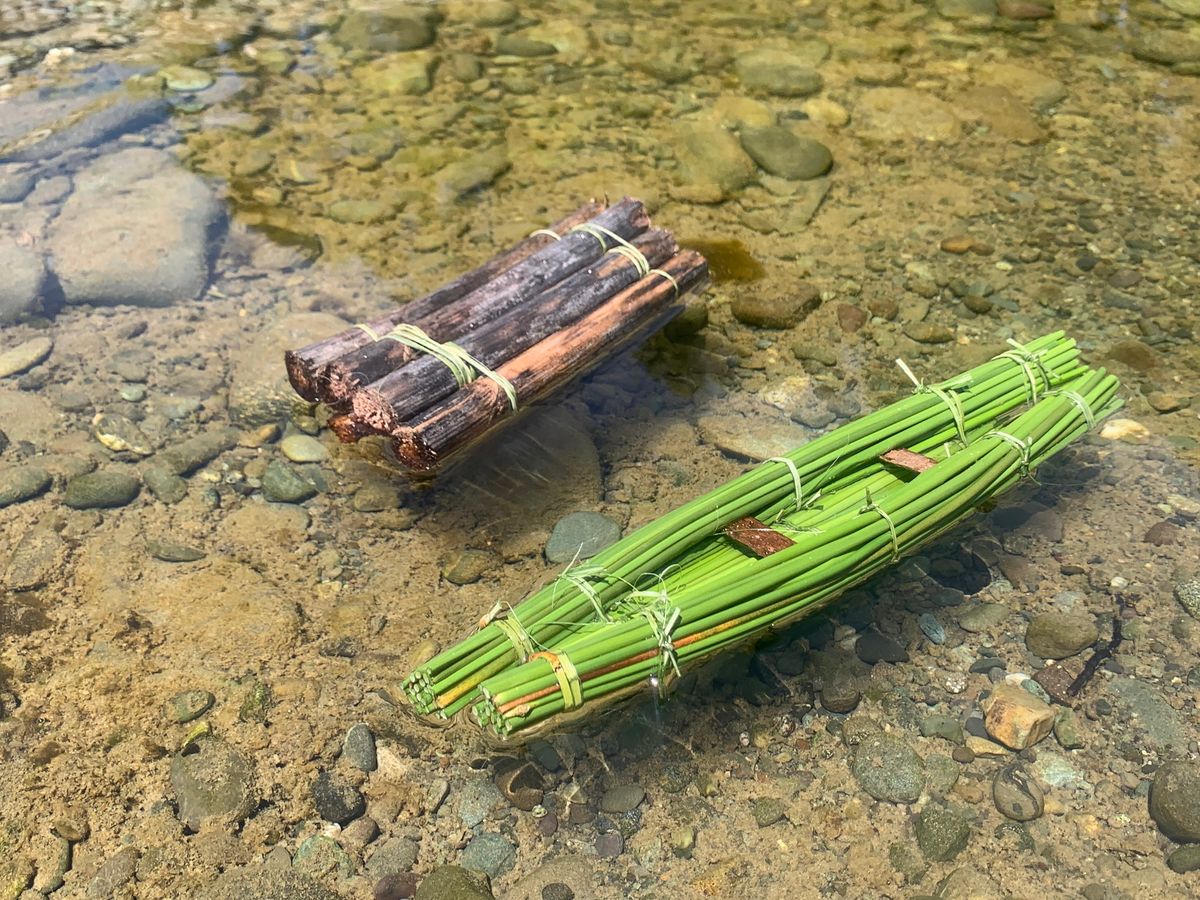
[24, 276]
[137, 230]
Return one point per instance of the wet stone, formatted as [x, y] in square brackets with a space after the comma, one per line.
[941, 832]
[1017, 795]
[212, 780]
[766, 311]
[1057, 635]
[840, 697]
[888, 769]
[21, 483]
[580, 535]
[165, 485]
[982, 616]
[477, 798]
[384, 31]
[400, 886]
[929, 333]
[522, 785]
[1184, 859]
[320, 857]
[375, 497]
[336, 799]
[778, 72]
[931, 628]
[359, 748]
[1175, 800]
[490, 853]
[188, 705]
[907, 860]
[301, 448]
[609, 845]
[1016, 718]
[941, 774]
[767, 811]
[622, 799]
[1187, 592]
[117, 870]
[283, 484]
[469, 566]
[169, 551]
[452, 883]
[1066, 729]
[945, 727]
[105, 489]
[393, 856]
[785, 154]
[874, 647]
[24, 356]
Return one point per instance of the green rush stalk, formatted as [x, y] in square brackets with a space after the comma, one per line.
[726, 602]
[922, 421]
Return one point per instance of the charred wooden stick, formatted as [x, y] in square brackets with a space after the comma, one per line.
[306, 366]
[383, 406]
[528, 278]
[469, 413]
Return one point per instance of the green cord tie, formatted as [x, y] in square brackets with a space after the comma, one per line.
[578, 578]
[946, 396]
[462, 365]
[791, 466]
[662, 625]
[567, 676]
[667, 275]
[1082, 404]
[635, 256]
[518, 636]
[1027, 360]
[369, 331]
[872, 506]
[547, 232]
[1022, 447]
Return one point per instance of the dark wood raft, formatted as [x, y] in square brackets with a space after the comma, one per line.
[440, 372]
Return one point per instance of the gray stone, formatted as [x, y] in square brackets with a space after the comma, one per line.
[37, 558]
[105, 489]
[136, 230]
[15, 184]
[471, 174]
[188, 455]
[785, 154]
[165, 485]
[212, 780]
[941, 774]
[1167, 47]
[581, 535]
[188, 705]
[874, 647]
[931, 627]
[1058, 635]
[711, 161]
[24, 356]
[23, 281]
[905, 114]
[359, 748]
[490, 853]
[966, 9]
[170, 551]
[469, 566]
[452, 883]
[1187, 592]
[122, 114]
[322, 857]
[396, 28]
[840, 696]
[517, 44]
[767, 811]
[1066, 729]
[116, 872]
[22, 482]
[375, 496]
[888, 769]
[301, 448]
[946, 727]
[283, 484]
[753, 438]
[393, 857]
[941, 832]
[622, 799]
[477, 798]
[120, 434]
[1016, 795]
[1184, 859]
[778, 72]
[336, 799]
[1175, 800]
[982, 616]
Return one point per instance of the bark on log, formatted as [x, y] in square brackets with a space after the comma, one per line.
[466, 415]
[548, 266]
[307, 366]
[383, 406]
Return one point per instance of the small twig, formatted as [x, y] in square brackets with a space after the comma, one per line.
[1104, 649]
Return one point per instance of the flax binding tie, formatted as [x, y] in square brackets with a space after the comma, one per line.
[1022, 447]
[795, 473]
[872, 506]
[1080, 403]
[1026, 360]
[946, 396]
[517, 636]
[567, 676]
[462, 365]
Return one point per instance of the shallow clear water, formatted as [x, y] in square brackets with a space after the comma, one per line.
[188, 190]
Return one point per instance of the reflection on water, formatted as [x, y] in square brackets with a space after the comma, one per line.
[188, 189]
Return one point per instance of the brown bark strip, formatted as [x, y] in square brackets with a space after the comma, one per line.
[909, 459]
[756, 536]
[511, 288]
[466, 415]
[306, 367]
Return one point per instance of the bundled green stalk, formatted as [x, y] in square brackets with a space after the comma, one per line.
[952, 412]
[710, 604]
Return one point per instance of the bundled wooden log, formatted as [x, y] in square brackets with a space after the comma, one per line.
[439, 372]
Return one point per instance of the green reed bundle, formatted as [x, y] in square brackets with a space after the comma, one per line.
[724, 598]
[626, 575]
